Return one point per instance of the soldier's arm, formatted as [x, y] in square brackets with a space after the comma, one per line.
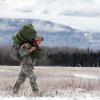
[26, 49]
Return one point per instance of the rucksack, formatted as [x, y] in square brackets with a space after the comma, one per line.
[26, 34]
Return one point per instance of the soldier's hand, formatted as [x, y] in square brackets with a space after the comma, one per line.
[26, 45]
[32, 49]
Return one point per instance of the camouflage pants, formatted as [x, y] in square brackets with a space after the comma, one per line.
[26, 72]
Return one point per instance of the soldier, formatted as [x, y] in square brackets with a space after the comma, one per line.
[27, 51]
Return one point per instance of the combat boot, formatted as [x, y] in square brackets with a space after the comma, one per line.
[35, 90]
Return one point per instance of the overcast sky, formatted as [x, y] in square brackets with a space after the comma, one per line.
[50, 6]
[85, 14]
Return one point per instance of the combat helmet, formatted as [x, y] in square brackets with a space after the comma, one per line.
[26, 34]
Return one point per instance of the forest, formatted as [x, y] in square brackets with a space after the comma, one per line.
[57, 57]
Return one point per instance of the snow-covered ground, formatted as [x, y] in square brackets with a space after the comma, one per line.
[51, 98]
[66, 83]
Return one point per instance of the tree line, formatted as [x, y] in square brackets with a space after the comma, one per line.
[57, 57]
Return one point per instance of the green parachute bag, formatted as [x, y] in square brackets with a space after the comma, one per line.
[26, 34]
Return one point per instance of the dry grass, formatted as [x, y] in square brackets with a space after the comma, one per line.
[52, 81]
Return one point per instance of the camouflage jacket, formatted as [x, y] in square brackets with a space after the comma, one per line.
[23, 51]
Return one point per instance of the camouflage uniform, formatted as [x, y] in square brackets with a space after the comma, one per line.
[27, 65]
[27, 34]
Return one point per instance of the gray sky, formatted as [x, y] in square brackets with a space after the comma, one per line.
[49, 6]
[79, 14]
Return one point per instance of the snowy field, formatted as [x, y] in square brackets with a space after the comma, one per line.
[66, 83]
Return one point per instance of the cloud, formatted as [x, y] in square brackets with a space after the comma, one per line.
[50, 6]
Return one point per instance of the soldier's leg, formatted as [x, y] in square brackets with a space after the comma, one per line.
[33, 83]
[32, 77]
[20, 80]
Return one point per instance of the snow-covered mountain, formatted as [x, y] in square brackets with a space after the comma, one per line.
[54, 34]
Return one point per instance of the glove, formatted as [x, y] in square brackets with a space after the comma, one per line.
[32, 49]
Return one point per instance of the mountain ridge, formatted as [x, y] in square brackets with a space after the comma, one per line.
[55, 34]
